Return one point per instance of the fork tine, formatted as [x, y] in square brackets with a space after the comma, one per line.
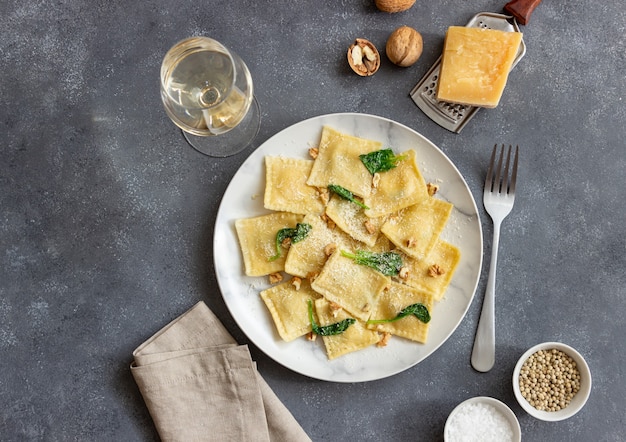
[514, 173]
[505, 177]
[488, 179]
[497, 187]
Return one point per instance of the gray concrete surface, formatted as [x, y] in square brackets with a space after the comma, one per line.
[106, 215]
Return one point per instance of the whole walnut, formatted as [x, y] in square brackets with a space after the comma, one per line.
[404, 46]
[394, 5]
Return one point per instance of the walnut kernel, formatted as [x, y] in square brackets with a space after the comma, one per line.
[404, 272]
[432, 188]
[334, 308]
[330, 249]
[384, 340]
[363, 57]
[324, 194]
[296, 282]
[275, 278]
[434, 270]
[369, 227]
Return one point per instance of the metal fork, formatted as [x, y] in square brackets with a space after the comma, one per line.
[498, 198]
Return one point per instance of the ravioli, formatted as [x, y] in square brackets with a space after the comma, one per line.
[307, 257]
[356, 337]
[434, 272]
[286, 189]
[338, 162]
[416, 229]
[396, 297]
[397, 189]
[350, 218]
[288, 306]
[354, 287]
[257, 239]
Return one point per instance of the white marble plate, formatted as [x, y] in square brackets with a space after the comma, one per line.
[244, 198]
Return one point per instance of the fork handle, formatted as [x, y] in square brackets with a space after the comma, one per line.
[484, 351]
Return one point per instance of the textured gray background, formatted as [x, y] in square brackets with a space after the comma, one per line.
[106, 215]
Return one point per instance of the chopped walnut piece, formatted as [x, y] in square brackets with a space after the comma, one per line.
[434, 270]
[310, 336]
[375, 180]
[314, 152]
[334, 308]
[432, 188]
[384, 340]
[275, 278]
[404, 272]
[329, 222]
[312, 275]
[411, 242]
[324, 194]
[296, 282]
[369, 227]
[330, 249]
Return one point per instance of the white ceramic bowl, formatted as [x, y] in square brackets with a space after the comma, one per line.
[500, 407]
[579, 399]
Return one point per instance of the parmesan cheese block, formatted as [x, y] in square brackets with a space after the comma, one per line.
[475, 65]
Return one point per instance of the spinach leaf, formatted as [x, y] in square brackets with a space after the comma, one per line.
[418, 310]
[329, 330]
[346, 195]
[387, 263]
[296, 234]
[380, 160]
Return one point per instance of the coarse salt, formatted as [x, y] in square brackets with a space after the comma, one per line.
[478, 422]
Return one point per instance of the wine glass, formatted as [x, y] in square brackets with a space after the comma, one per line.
[207, 92]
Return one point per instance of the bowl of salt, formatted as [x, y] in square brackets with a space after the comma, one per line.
[483, 419]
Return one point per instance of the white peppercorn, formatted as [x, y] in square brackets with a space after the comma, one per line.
[549, 380]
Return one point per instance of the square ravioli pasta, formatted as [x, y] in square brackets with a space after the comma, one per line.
[338, 162]
[286, 189]
[391, 301]
[434, 272]
[308, 256]
[288, 304]
[416, 229]
[353, 286]
[350, 218]
[257, 239]
[398, 188]
[356, 337]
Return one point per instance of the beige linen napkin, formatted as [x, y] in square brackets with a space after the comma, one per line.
[200, 385]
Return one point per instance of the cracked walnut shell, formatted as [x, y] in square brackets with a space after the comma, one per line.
[363, 57]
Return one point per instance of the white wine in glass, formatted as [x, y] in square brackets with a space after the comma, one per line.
[207, 91]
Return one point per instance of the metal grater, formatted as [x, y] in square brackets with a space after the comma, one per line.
[454, 116]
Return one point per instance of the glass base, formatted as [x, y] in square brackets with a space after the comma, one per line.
[231, 142]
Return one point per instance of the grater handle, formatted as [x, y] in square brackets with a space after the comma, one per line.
[521, 9]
